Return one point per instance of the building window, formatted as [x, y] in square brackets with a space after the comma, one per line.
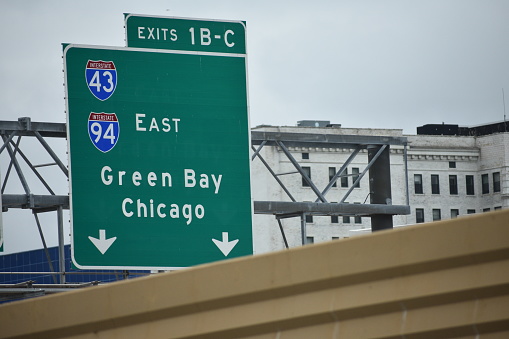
[496, 182]
[485, 209]
[418, 184]
[452, 164]
[485, 182]
[453, 184]
[437, 214]
[470, 184]
[435, 184]
[344, 178]
[419, 215]
[305, 156]
[470, 211]
[355, 172]
[498, 208]
[310, 240]
[309, 218]
[306, 170]
[335, 238]
[332, 173]
[454, 213]
[334, 219]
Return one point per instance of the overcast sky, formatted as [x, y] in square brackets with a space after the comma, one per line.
[373, 64]
[395, 64]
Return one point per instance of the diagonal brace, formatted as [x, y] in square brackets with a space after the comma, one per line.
[34, 169]
[14, 162]
[301, 171]
[341, 171]
[8, 140]
[51, 153]
[274, 175]
[364, 172]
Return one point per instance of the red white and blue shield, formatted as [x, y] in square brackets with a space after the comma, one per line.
[103, 130]
[101, 78]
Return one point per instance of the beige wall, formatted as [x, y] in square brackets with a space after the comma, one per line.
[441, 280]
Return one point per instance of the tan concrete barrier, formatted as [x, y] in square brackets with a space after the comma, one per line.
[446, 279]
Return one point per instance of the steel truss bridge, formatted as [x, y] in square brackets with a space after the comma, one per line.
[380, 208]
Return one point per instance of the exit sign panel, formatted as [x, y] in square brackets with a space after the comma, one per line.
[185, 34]
[159, 157]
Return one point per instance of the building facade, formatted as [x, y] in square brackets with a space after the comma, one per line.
[451, 171]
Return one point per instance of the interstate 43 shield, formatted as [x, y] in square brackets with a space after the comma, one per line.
[101, 78]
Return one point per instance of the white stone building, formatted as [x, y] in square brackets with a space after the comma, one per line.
[448, 176]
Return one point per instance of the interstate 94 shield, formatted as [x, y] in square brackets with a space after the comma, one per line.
[103, 130]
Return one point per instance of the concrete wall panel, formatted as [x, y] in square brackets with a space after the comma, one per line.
[440, 280]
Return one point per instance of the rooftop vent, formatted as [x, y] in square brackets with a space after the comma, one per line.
[313, 123]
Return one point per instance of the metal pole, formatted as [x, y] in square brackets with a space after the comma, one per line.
[61, 249]
[303, 228]
[380, 185]
[282, 232]
[405, 159]
[48, 257]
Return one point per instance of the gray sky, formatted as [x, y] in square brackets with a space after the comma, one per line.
[374, 64]
[396, 64]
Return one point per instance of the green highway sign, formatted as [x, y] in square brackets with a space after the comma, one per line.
[159, 157]
[185, 34]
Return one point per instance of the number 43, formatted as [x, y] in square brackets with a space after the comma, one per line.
[96, 81]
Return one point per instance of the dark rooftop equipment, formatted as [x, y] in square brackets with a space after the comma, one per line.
[447, 129]
[499, 127]
[438, 129]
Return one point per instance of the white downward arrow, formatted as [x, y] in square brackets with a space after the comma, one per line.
[225, 246]
[102, 243]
